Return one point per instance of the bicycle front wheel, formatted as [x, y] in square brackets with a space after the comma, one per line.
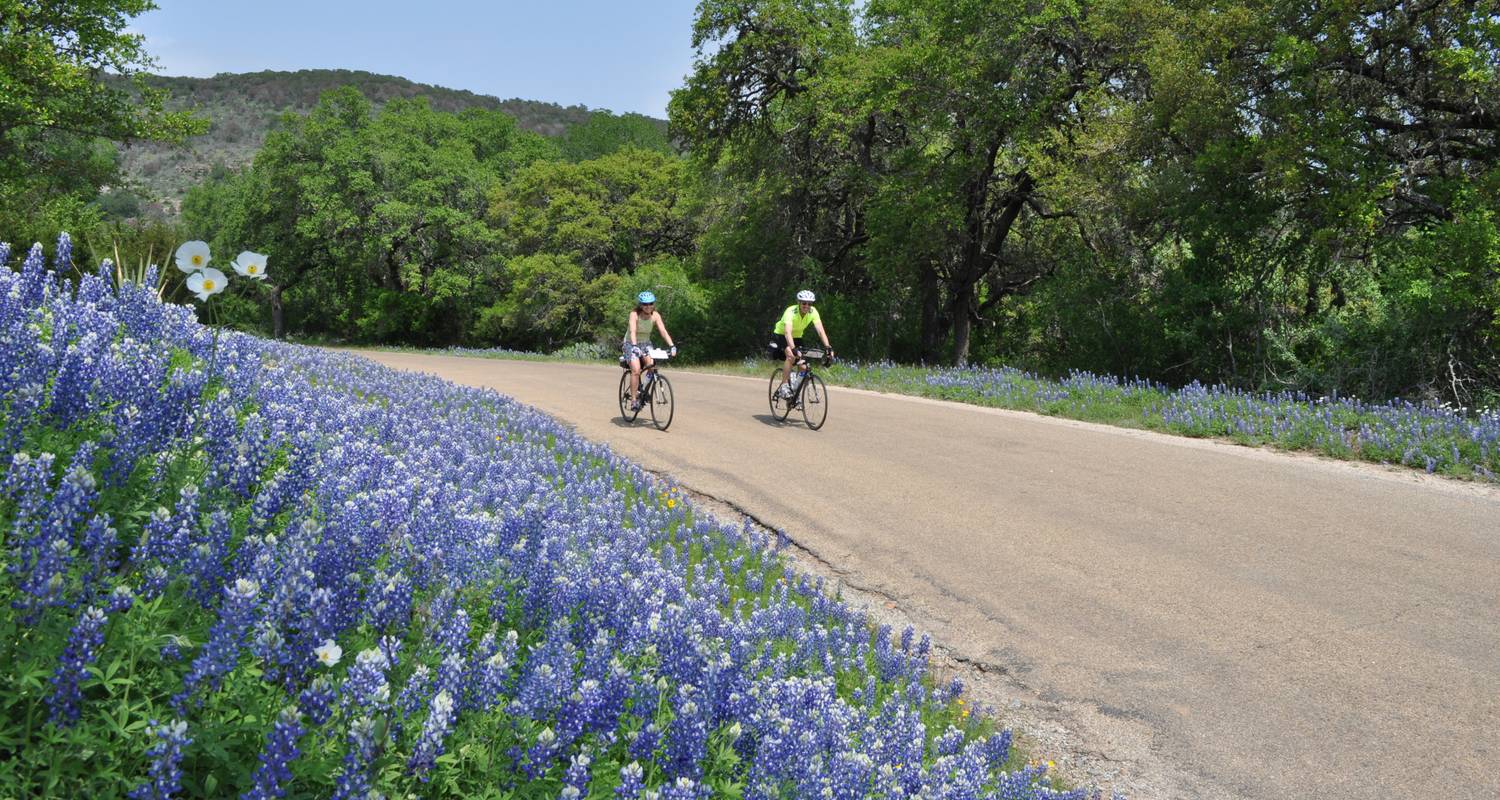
[626, 412]
[814, 402]
[662, 402]
[780, 406]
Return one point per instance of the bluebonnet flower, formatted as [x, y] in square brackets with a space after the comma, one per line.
[686, 789]
[578, 773]
[417, 692]
[274, 770]
[687, 736]
[165, 775]
[100, 540]
[440, 716]
[494, 670]
[121, 599]
[363, 743]
[156, 580]
[632, 782]
[206, 561]
[643, 743]
[540, 754]
[84, 642]
[224, 641]
[317, 700]
[365, 686]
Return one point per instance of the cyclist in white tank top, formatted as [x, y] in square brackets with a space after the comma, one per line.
[636, 346]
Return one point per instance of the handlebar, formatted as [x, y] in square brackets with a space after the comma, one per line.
[816, 353]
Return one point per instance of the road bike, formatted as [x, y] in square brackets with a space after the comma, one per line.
[808, 392]
[656, 392]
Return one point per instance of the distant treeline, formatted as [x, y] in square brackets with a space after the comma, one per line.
[241, 108]
[1264, 193]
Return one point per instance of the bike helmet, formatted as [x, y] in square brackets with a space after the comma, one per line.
[806, 296]
[645, 297]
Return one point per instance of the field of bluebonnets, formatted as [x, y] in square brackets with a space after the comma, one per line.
[1437, 439]
[238, 567]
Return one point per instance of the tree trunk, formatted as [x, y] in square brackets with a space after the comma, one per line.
[962, 323]
[278, 315]
[930, 299]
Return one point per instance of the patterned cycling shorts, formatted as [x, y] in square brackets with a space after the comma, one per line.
[629, 351]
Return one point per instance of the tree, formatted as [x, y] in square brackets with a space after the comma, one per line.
[55, 106]
[376, 221]
[604, 133]
[936, 116]
[608, 214]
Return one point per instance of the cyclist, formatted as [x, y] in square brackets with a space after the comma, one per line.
[637, 342]
[790, 329]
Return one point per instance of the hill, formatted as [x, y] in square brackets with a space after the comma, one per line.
[244, 106]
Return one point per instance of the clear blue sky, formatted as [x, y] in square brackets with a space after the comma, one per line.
[623, 55]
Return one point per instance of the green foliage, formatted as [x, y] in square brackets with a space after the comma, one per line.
[608, 214]
[604, 133]
[550, 303]
[1252, 193]
[57, 117]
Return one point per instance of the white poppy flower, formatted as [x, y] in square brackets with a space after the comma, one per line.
[192, 256]
[328, 653]
[251, 265]
[207, 282]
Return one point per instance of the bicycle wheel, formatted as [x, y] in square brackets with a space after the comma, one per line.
[780, 407]
[814, 401]
[662, 402]
[626, 412]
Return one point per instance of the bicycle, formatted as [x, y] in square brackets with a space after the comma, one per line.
[809, 393]
[656, 392]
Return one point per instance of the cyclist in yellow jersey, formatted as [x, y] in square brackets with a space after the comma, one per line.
[790, 329]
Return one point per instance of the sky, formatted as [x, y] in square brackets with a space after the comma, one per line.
[623, 56]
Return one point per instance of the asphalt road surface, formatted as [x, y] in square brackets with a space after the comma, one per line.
[1278, 626]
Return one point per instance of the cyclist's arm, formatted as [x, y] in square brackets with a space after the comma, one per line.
[822, 334]
[630, 331]
[661, 325]
[787, 327]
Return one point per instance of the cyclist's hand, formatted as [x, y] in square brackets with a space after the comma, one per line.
[673, 352]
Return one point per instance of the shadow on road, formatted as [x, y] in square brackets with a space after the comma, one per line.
[772, 421]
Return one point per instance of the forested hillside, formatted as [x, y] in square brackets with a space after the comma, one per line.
[242, 108]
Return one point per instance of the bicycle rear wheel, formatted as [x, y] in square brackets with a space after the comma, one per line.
[814, 401]
[626, 412]
[780, 406]
[662, 402]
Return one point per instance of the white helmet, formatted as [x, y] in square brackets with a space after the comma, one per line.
[806, 296]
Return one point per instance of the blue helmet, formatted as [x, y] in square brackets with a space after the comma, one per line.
[645, 297]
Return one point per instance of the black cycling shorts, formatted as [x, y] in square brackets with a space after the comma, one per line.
[777, 347]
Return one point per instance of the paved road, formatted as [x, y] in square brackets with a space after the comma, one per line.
[1281, 626]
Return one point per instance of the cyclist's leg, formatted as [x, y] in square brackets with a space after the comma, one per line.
[633, 359]
[791, 359]
[646, 363]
